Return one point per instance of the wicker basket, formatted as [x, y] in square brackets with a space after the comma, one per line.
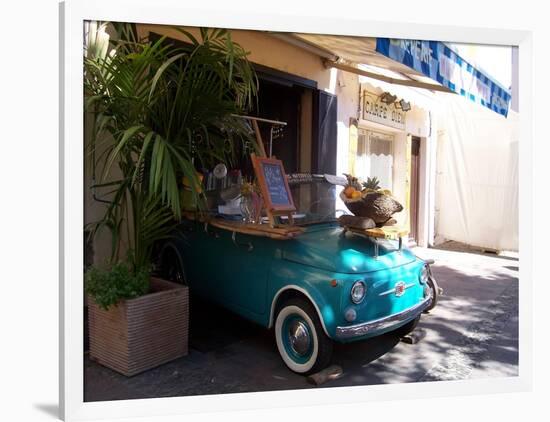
[377, 206]
[141, 333]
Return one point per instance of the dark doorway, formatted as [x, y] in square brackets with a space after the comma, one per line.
[280, 102]
[415, 188]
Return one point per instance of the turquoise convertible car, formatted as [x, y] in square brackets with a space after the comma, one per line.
[325, 285]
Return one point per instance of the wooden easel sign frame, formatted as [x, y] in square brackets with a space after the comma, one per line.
[273, 183]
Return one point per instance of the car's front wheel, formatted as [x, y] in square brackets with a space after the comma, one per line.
[302, 343]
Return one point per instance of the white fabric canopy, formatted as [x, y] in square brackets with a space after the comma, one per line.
[477, 181]
[418, 97]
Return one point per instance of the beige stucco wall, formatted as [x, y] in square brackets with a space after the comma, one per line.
[347, 90]
[95, 210]
[264, 49]
[417, 122]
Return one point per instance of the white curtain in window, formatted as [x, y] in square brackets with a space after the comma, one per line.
[381, 158]
[375, 157]
[381, 167]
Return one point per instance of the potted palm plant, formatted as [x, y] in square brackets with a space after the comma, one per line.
[157, 112]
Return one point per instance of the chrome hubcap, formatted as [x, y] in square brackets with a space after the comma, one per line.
[299, 337]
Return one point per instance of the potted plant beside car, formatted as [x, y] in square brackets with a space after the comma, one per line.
[136, 321]
[157, 112]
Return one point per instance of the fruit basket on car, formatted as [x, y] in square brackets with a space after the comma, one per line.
[368, 200]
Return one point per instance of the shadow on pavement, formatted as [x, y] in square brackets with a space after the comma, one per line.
[466, 336]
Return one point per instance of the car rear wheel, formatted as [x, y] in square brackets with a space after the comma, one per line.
[302, 343]
[171, 268]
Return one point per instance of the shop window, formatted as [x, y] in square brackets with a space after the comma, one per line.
[375, 157]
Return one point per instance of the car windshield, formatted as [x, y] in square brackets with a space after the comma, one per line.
[316, 200]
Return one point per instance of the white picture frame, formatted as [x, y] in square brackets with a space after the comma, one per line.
[72, 15]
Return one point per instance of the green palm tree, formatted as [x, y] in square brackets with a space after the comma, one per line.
[160, 111]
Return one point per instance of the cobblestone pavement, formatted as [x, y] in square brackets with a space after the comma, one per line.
[472, 333]
[473, 349]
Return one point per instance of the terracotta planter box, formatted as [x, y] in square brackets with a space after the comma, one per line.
[141, 333]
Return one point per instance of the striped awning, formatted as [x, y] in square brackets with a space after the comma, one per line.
[431, 62]
[439, 62]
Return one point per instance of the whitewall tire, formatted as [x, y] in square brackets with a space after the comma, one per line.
[301, 341]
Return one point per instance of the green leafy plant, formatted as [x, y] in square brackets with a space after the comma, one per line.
[372, 183]
[159, 111]
[108, 287]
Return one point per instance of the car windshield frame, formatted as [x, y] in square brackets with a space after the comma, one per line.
[317, 201]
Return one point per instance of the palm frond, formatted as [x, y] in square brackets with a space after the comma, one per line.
[160, 112]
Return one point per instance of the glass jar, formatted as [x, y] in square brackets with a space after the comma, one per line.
[247, 209]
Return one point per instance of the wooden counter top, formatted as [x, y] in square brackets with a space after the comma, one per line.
[282, 232]
[386, 232]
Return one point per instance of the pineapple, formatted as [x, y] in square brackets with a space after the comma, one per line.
[372, 184]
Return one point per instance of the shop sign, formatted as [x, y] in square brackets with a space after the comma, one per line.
[376, 111]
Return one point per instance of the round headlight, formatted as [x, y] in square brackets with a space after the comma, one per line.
[424, 274]
[358, 292]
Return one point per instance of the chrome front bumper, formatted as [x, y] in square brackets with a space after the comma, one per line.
[382, 324]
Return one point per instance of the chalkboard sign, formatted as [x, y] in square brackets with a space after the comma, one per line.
[273, 184]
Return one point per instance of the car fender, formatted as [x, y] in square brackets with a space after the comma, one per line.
[325, 310]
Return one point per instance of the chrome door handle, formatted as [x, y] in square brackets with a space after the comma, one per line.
[249, 247]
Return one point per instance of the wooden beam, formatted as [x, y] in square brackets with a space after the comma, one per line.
[259, 140]
[412, 83]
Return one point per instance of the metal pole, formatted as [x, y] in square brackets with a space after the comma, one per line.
[271, 141]
[260, 119]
